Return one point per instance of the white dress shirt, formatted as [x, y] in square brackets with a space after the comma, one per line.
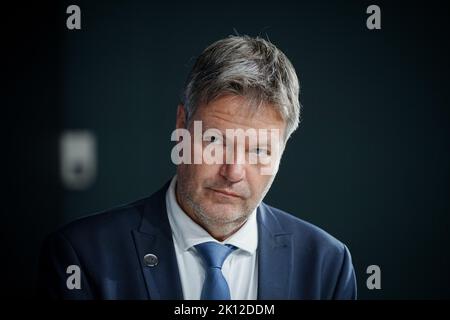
[240, 268]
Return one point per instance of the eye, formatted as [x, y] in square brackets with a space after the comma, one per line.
[212, 138]
[261, 151]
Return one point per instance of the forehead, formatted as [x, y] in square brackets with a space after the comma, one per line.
[233, 111]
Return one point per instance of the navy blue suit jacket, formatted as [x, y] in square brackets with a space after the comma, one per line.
[296, 260]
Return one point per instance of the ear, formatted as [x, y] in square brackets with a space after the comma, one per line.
[181, 117]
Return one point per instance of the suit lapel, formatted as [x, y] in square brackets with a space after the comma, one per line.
[155, 236]
[275, 257]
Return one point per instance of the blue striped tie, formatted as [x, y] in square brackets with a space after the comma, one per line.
[214, 254]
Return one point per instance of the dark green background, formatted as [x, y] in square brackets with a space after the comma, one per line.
[369, 163]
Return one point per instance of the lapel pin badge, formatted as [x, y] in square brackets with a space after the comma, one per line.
[150, 260]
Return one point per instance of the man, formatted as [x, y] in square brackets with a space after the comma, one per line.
[207, 234]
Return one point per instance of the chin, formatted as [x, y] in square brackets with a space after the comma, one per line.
[224, 212]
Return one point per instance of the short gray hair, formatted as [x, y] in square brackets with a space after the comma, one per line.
[249, 67]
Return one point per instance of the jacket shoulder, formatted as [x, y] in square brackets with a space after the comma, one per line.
[306, 233]
[105, 223]
[317, 255]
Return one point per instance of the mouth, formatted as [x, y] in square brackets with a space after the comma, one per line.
[226, 193]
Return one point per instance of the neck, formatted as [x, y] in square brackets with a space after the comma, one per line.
[223, 231]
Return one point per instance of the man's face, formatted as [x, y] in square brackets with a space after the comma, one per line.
[221, 196]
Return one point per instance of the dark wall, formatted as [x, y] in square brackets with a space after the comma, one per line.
[369, 163]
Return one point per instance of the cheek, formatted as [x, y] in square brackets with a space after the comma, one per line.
[207, 171]
[199, 175]
[258, 183]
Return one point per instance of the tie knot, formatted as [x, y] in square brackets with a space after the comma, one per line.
[213, 253]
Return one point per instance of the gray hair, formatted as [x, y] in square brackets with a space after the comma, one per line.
[249, 67]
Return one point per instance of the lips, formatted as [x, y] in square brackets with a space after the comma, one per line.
[227, 193]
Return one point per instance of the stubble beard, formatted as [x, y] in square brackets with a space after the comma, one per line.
[218, 227]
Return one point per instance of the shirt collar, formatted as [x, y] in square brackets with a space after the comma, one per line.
[188, 233]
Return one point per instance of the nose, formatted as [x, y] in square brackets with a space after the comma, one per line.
[233, 172]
